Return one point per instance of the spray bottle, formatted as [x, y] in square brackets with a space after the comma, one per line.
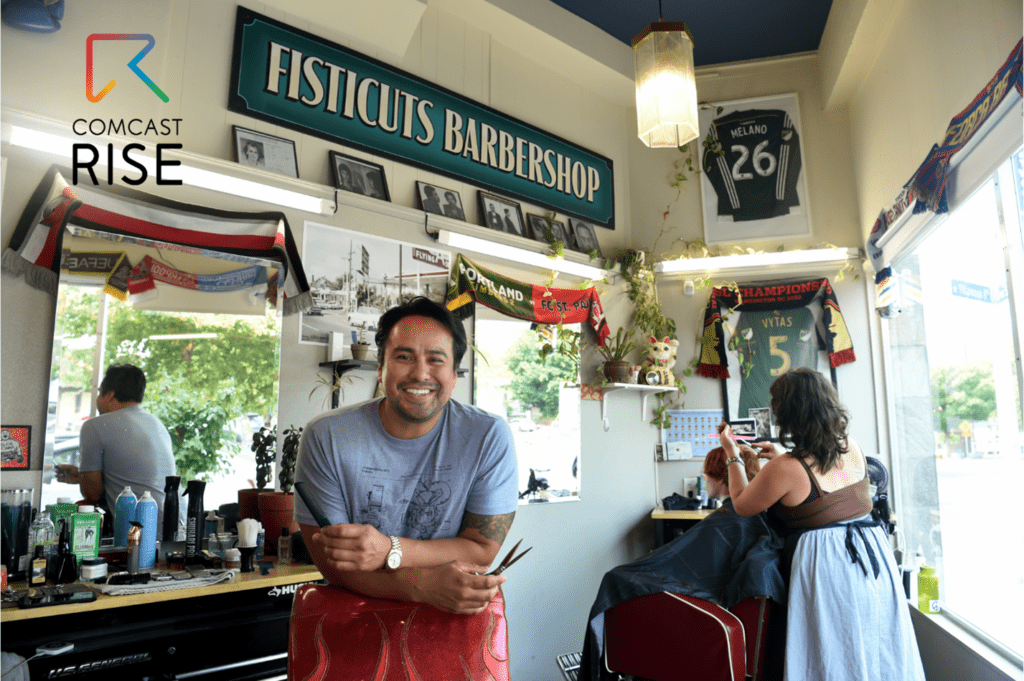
[146, 513]
[194, 520]
[124, 513]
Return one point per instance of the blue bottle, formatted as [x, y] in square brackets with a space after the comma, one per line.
[146, 513]
[124, 513]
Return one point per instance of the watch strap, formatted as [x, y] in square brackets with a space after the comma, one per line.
[731, 461]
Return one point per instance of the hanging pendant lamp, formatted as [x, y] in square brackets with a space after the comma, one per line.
[666, 88]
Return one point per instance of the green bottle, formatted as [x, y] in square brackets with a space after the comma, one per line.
[928, 591]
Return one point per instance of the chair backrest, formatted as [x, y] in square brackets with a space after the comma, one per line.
[336, 633]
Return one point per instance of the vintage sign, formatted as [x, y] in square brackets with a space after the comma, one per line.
[300, 81]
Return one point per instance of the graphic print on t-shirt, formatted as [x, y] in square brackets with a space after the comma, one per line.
[425, 514]
[756, 173]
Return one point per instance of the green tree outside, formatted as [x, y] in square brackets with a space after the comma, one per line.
[966, 391]
[533, 381]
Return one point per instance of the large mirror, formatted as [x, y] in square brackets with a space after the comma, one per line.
[540, 399]
[211, 360]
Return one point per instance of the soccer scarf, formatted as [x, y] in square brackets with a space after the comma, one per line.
[111, 266]
[469, 282]
[35, 248]
[772, 296]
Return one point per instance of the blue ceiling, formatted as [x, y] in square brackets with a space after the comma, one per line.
[723, 30]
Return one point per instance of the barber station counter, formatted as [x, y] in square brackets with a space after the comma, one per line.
[669, 524]
[231, 630]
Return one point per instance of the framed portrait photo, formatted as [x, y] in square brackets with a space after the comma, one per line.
[14, 447]
[754, 180]
[260, 150]
[501, 214]
[440, 201]
[537, 227]
[584, 237]
[359, 176]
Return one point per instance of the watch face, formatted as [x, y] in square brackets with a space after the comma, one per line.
[394, 560]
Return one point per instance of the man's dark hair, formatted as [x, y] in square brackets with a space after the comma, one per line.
[421, 307]
[126, 380]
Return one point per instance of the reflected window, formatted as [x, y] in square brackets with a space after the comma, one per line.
[539, 399]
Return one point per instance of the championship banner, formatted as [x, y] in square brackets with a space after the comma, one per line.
[770, 297]
[291, 78]
[769, 329]
[112, 266]
[471, 283]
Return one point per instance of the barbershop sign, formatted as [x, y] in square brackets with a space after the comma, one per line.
[297, 80]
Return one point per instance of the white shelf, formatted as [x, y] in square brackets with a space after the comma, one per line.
[645, 390]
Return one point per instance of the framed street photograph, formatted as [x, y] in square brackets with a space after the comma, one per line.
[584, 237]
[260, 150]
[359, 176]
[14, 447]
[440, 201]
[754, 184]
[501, 214]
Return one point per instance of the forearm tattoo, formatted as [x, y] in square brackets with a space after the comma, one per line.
[493, 527]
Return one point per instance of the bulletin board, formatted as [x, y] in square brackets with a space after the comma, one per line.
[696, 426]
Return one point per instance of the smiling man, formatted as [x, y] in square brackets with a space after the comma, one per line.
[420, 489]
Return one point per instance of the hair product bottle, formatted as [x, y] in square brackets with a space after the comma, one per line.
[194, 520]
[124, 513]
[171, 508]
[146, 514]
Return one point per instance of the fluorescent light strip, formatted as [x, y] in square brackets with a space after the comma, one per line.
[751, 260]
[189, 175]
[518, 255]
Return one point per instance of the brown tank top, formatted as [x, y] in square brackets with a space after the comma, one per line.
[845, 503]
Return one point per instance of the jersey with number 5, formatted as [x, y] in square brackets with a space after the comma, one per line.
[756, 172]
[772, 342]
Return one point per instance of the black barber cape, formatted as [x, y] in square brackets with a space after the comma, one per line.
[724, 558]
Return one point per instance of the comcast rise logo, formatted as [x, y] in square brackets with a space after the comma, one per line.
[133, 64]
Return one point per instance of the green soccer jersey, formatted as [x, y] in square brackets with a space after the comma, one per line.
[770, 343]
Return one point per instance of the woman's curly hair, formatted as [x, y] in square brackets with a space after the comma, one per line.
[810, 418]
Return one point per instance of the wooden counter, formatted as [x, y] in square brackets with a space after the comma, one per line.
[668, 524]
[279, 576]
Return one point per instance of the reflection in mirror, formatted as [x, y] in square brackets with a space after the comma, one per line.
[211, 376]
[539, 399]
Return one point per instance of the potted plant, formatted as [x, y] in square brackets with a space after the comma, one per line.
[264, 445]
[277, 508]
[360, 348]
[615, 350]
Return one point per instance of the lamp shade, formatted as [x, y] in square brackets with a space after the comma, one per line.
[666, 89]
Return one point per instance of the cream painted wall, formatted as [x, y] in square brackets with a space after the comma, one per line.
[910, 93]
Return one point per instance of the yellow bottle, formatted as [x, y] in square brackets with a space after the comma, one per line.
[928, 591]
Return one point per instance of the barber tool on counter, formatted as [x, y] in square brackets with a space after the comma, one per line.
[170, 525]
[134, 546]
[194, 520]
[64, 568]
[248, 532]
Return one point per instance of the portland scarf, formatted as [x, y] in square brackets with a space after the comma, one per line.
[469, 282]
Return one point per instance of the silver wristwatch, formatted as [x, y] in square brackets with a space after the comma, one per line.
[394, 559]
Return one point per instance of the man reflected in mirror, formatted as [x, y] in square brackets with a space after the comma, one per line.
[421, 489]
[125, 446]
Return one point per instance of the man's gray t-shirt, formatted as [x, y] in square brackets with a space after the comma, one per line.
[416, 488]
[132, 448]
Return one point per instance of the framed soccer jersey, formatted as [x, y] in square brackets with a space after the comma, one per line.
[753, 184]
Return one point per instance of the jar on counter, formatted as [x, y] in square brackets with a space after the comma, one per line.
[93, 569]
[232, 559]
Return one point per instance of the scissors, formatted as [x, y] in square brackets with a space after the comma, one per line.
[509, 560]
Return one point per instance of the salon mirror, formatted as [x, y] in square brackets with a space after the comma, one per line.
[539, 399]
[211, 358]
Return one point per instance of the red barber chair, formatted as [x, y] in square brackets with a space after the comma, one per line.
[338, 634]
[666, 636]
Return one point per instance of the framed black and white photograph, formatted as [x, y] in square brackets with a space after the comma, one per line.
[537, 227]
[260, 150]
[754, 184]
[745, 428]
[501, 214]
[762, 422]
[440, 201]
[584, 237]
[359, 176]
